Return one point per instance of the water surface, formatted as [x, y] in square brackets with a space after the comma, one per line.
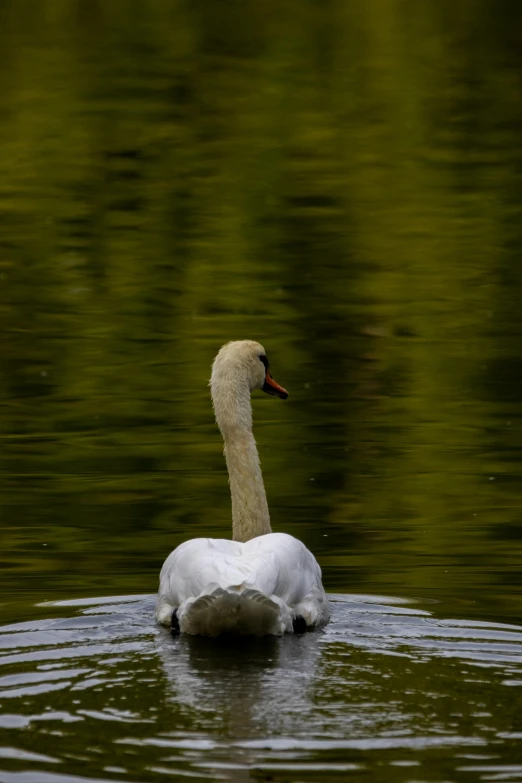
[387, 692]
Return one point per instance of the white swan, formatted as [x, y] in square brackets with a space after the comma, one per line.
[261, 582]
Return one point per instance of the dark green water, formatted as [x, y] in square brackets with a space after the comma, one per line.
[341, 181]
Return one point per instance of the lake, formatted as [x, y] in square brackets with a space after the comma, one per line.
[343, 183]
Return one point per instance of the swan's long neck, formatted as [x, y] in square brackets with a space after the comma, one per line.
[250, 517]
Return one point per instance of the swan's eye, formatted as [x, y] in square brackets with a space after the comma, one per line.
[264, 360]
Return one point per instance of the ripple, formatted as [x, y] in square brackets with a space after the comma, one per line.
[385, 680]
[24, 755]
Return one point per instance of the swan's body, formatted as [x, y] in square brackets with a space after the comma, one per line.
[258, 587]
[261, 582]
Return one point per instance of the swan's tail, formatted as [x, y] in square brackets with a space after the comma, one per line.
[235, 610]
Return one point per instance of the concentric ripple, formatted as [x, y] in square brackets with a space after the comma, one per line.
[386, 692]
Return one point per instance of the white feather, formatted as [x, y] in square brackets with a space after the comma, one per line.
[256, 587]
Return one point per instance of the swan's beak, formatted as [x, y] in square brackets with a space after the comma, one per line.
[271, 387]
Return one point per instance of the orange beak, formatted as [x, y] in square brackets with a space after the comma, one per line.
[271, 387]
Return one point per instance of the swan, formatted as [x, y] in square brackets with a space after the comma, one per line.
[260, 583]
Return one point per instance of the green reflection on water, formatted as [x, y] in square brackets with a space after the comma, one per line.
[340, 182]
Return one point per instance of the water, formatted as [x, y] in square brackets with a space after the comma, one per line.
[387, 692]
[343, 184]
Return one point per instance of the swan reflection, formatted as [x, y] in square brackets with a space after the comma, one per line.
[250, 684]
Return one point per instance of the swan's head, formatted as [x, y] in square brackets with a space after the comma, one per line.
[238, 369]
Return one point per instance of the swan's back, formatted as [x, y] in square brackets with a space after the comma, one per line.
[258, 587]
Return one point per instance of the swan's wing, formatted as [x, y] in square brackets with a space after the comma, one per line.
[199, 564]
[284, 567]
